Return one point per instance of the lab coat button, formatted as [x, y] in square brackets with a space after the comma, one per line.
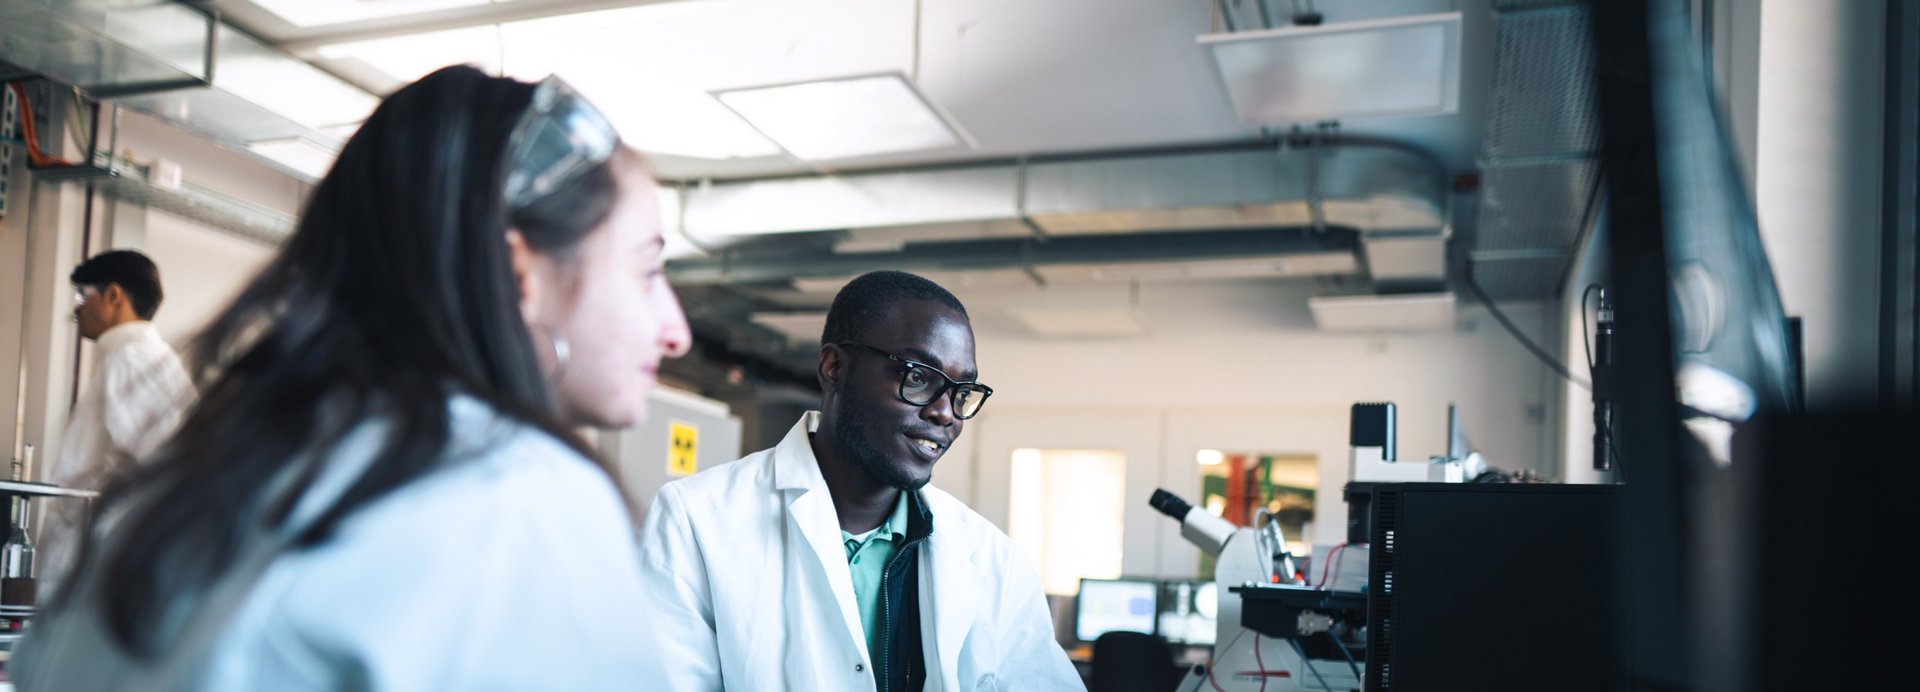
[859, 667]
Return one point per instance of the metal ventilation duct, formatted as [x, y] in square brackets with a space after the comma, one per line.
[179, 63]
[1393, 197]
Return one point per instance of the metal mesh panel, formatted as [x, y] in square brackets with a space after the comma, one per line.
[257, 224]
[1534, 206]
[1538, 166]
[199, 205]
[1542, 102]
[1516, 279]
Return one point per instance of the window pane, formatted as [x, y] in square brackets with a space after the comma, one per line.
[1066, 513]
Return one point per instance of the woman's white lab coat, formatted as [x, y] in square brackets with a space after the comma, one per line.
[750, 588]
[514, 567]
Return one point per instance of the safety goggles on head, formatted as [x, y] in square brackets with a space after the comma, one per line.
[559, 136]
[920, 384]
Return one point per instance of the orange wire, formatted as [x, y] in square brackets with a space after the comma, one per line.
[35, 157]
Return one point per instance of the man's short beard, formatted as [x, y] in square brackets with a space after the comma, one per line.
[850, 431]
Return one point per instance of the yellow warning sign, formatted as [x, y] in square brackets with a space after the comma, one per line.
[683, 440]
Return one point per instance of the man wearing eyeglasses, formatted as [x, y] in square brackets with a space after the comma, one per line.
[132, 399]
[827, 562]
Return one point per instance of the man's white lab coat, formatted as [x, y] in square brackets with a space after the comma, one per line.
[131, 403]
[748, 578]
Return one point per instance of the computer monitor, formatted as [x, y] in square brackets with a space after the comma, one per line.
[1189, 611]
[1107, 605]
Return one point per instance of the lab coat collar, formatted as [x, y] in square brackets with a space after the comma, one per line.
[794, 466]
[796, 474]
[949, 583]
[124, 334]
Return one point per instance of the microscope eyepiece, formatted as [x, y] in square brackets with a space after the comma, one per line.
[1170, 504]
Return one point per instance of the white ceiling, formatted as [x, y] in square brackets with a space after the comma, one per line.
[1020, 76]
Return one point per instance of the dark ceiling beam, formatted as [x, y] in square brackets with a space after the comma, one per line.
[711, 361]
[746, 265]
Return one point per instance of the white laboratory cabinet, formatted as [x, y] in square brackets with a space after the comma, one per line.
[657, 450]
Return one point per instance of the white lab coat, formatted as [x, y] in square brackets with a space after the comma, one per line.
[513, 567]
[131, 403]
[750, 588]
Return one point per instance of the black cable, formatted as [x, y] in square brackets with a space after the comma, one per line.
[1474, 286]
[1613, 450]
[1357, 677]
[1586, 338]
[1308, 664]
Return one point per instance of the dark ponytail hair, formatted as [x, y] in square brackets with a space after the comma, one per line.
[395, 293]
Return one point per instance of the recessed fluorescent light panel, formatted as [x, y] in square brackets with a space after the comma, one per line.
[652, 112]
[294, 89]
[661, 117]
[296, 153]
[307, 13]
[1391, 313]
[846, 118]
[412, 56]
[1401, 66]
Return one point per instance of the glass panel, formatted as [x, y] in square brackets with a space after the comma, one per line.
[1066, 509]
[1236, 485]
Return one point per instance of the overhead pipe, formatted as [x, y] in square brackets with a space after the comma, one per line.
[1366, 184]
[1392, 196]
[744, 265]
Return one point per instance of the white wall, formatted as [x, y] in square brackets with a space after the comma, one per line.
[1237, 366]
[1576, 454]
[36, 306]
[202, 270]
[1817, 180]
[41, 242]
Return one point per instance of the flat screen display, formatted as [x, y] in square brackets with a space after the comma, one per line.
[1107, 605]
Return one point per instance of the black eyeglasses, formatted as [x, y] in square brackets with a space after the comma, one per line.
[920, 384]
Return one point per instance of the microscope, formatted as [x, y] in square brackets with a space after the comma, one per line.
[1272, 632]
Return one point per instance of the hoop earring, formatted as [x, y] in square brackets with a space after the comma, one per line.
[562, 352]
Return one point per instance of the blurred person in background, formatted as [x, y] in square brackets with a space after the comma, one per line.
[133, 398]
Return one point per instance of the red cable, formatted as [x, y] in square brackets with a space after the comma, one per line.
[1324, 569]
[1259, 663]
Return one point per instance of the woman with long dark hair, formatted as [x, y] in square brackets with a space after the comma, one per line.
[381, 487]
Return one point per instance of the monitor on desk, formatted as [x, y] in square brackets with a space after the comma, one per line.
[1189, 611]
[1107, 605]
